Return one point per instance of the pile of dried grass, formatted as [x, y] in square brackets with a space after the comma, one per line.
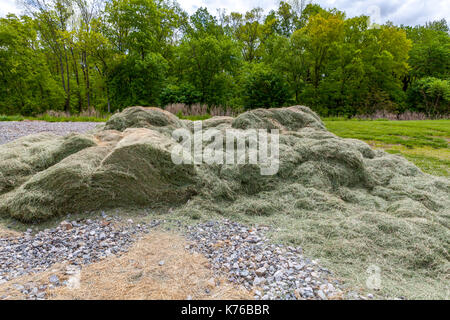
[29, 155]
[133, 168]
[142, 117]
[344, 198]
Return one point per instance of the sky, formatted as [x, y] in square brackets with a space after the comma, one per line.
[408, 12]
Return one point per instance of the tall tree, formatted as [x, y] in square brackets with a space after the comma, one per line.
[52, 17]
[27, 86]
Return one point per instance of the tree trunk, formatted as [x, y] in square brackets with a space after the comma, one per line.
[67, 105]
[61, 68]
[107, 98]
[75, 67]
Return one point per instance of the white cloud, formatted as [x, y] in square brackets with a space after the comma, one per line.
[230, 5]
[8, 6]
[409, 12]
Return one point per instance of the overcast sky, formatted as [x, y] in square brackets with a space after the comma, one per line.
[409, 12]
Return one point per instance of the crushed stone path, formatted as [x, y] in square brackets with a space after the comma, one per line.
[272, 271]
[77, 242]
[240, 253]
[11, 130]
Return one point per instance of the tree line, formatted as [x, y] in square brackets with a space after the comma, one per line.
[75, 55]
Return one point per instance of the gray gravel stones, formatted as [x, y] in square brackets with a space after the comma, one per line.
[83, 243]
[11, 130]
[239, 253]
[54, 280]
[271, 271]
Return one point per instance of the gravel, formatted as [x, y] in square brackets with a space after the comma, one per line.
[11, 130]
[246, 257]
[242, 254]
[79, 243]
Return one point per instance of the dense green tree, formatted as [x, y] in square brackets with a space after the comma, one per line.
[209, 63]
[136, 81]
[77, 55]
[249, 34]
[430, 95]
[430, 52]
[140, 26]
[27, 85]
[288, 56]
[263, 88]
[208, 59]
[184, 93]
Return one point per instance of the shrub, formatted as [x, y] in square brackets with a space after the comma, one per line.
[263, 88]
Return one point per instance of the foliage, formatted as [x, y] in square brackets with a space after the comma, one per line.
[184, 93]
[208, 64]
[74, 55]
[430, 95]
[27, 85]
[430, 55]
[136, 81]
[263, 88]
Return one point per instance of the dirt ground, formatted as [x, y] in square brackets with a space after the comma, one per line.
[7, 233]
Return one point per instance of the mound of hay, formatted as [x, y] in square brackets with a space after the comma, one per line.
[339, 192]
[144, 117]
[292, 119]
[133, 168]
[28, 155]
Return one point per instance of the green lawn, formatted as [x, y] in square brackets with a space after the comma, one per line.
[425, 142]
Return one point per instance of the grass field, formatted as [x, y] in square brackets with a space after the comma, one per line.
[425, 142]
